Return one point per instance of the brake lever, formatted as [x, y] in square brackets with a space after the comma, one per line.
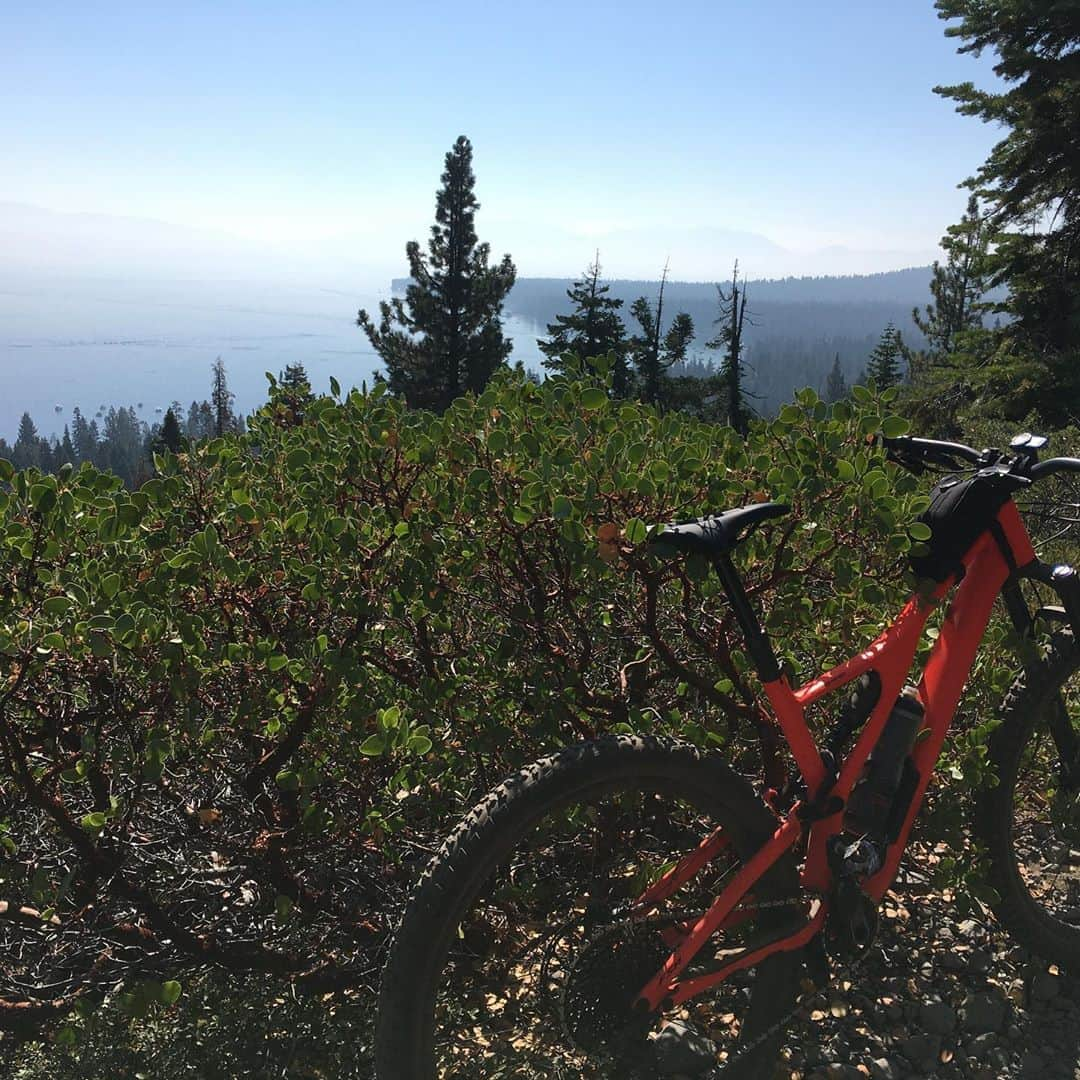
[911, 464]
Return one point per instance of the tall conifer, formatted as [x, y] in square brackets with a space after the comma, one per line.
[593, 328]
[885, 365]
[654, 351]
[836, 387]
[729, 338]
[445, 337]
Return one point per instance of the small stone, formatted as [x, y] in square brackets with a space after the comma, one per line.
[999, 1059]
[984, 1011]
[922, 1050]
[1044, 986]
[1032, 1064]
[680, 1049]
[981, 1045]
[937, 1018]
[837, 1071]
[883, 1069]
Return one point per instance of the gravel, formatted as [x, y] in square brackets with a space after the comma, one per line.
[940, 995]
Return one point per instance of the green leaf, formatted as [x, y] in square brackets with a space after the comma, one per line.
[57, 605]
[277, 661]
[635, 531]
[287, 780]
[845, 471]
[282, 906]
[93, 822]
[43, 496]
[593, 398]
[894, 426]
[297, 522]
[373, 745]
[919, 530]
[100, 645]
[479, 479]
[335, 387]
[419, 744]
[110, 585]
[170, 992]
[297, 459]
[561, 508]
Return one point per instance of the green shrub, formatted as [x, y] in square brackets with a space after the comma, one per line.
[239, 704]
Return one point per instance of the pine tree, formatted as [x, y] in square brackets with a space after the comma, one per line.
[1031, 184]
[82, 440]
[836, 387]
[885, 363]
[293, 394]
[445, 338]
[655, 351]
[67, 449]
[956, 367]
[221, 398]
[294, 380]
[958, 287]
[47, 450]
[731, 322]
[27, 449]
[93, 442]
[170, 438]
[593, 328]
[123, 444]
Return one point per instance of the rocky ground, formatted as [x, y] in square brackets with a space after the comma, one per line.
[940, 995]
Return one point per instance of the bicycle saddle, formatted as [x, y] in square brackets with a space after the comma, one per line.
[719, 533]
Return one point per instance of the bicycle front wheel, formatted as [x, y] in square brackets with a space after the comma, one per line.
[517, 958]
[1030, 822]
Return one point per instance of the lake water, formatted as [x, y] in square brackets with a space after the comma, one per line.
[76, 342]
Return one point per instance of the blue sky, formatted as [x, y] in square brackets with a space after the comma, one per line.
[799, 136]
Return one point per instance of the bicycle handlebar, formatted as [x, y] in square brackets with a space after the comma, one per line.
[957, 449]
[904, 448]
[907, 450]
[1054, 465]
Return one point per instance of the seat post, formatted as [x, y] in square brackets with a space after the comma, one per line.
[757, 641]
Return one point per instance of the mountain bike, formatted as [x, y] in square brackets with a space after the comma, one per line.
[620, 883]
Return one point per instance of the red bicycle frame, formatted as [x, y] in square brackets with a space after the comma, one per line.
[986, 571]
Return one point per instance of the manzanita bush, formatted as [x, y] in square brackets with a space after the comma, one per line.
[238, 705]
